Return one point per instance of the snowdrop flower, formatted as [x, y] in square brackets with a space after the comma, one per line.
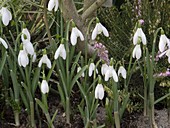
[104, 69]
[23, 58]
[91, 69]
[45, 60]
[168, 55]
[99, 92]
[122, 71]
[111, 73]
[34, 57]
[99, 28]
[53, 4]
[6, 15]
[78, 70]
[28, 47]
[137, 52]
[25, 35]
[44, 87]
[3, 43]
[61, 51]
[162, 42]
[139, 34]
[75, 33]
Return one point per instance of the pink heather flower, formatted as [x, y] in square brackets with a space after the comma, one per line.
[102, 52]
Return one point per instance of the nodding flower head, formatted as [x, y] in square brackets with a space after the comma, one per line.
[6, 15]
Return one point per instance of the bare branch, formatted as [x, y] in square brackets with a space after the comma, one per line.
[92, 8]
[70, 12]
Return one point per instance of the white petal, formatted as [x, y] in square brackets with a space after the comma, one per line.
[6, 16]
[28, 47]
[44, 87]
[168, 59]
[168, 53]
[3, 43]
[23, 58]
[115, 77]
[57, 53]
[104, 68]
[162, 43]
[91, 69]
[105, 32]
[122, 71]
[47, 61]
[80, 35]
[73, 37]
[136, 36]
[34, 57]
[94, 33]
[25, 33]
[143, 37]
[99, 92]
[40, 63]
[63, 52]
[78, 70]
[109, 73]
[56, 5]
[138, 52]
[51, 5]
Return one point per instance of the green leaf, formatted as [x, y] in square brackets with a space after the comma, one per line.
[4, 56]
[35, 79]
[77, 76]
[42, 106]
[62, 96]
[15, 84]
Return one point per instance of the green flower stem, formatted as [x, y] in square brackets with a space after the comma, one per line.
[32, 114]
[49, 120]
[16, 114]
[68, 110]
[168, 105]
[116, 108]
[152, 119]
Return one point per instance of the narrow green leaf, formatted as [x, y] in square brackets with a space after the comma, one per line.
[4, 56]
[42, 106]
[35, 79]
[15, 84]
[77, 76]
[63, 101]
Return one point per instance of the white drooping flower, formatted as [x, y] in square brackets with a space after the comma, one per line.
[78, 70]
[92, 68]
[25, 35]
[28, 47]
[23, 58]
[137, 52]
[75, 33]
[99, 92]
[3, 43]
[99, 28]
[122, 71]
[104, 69]
[163, 42]
[53, 4]
[111, 73]
[44, 87]
[45, 60]
[34, 57]
[61, 51]
[168, 55]
[139, 34]
[6, 15]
